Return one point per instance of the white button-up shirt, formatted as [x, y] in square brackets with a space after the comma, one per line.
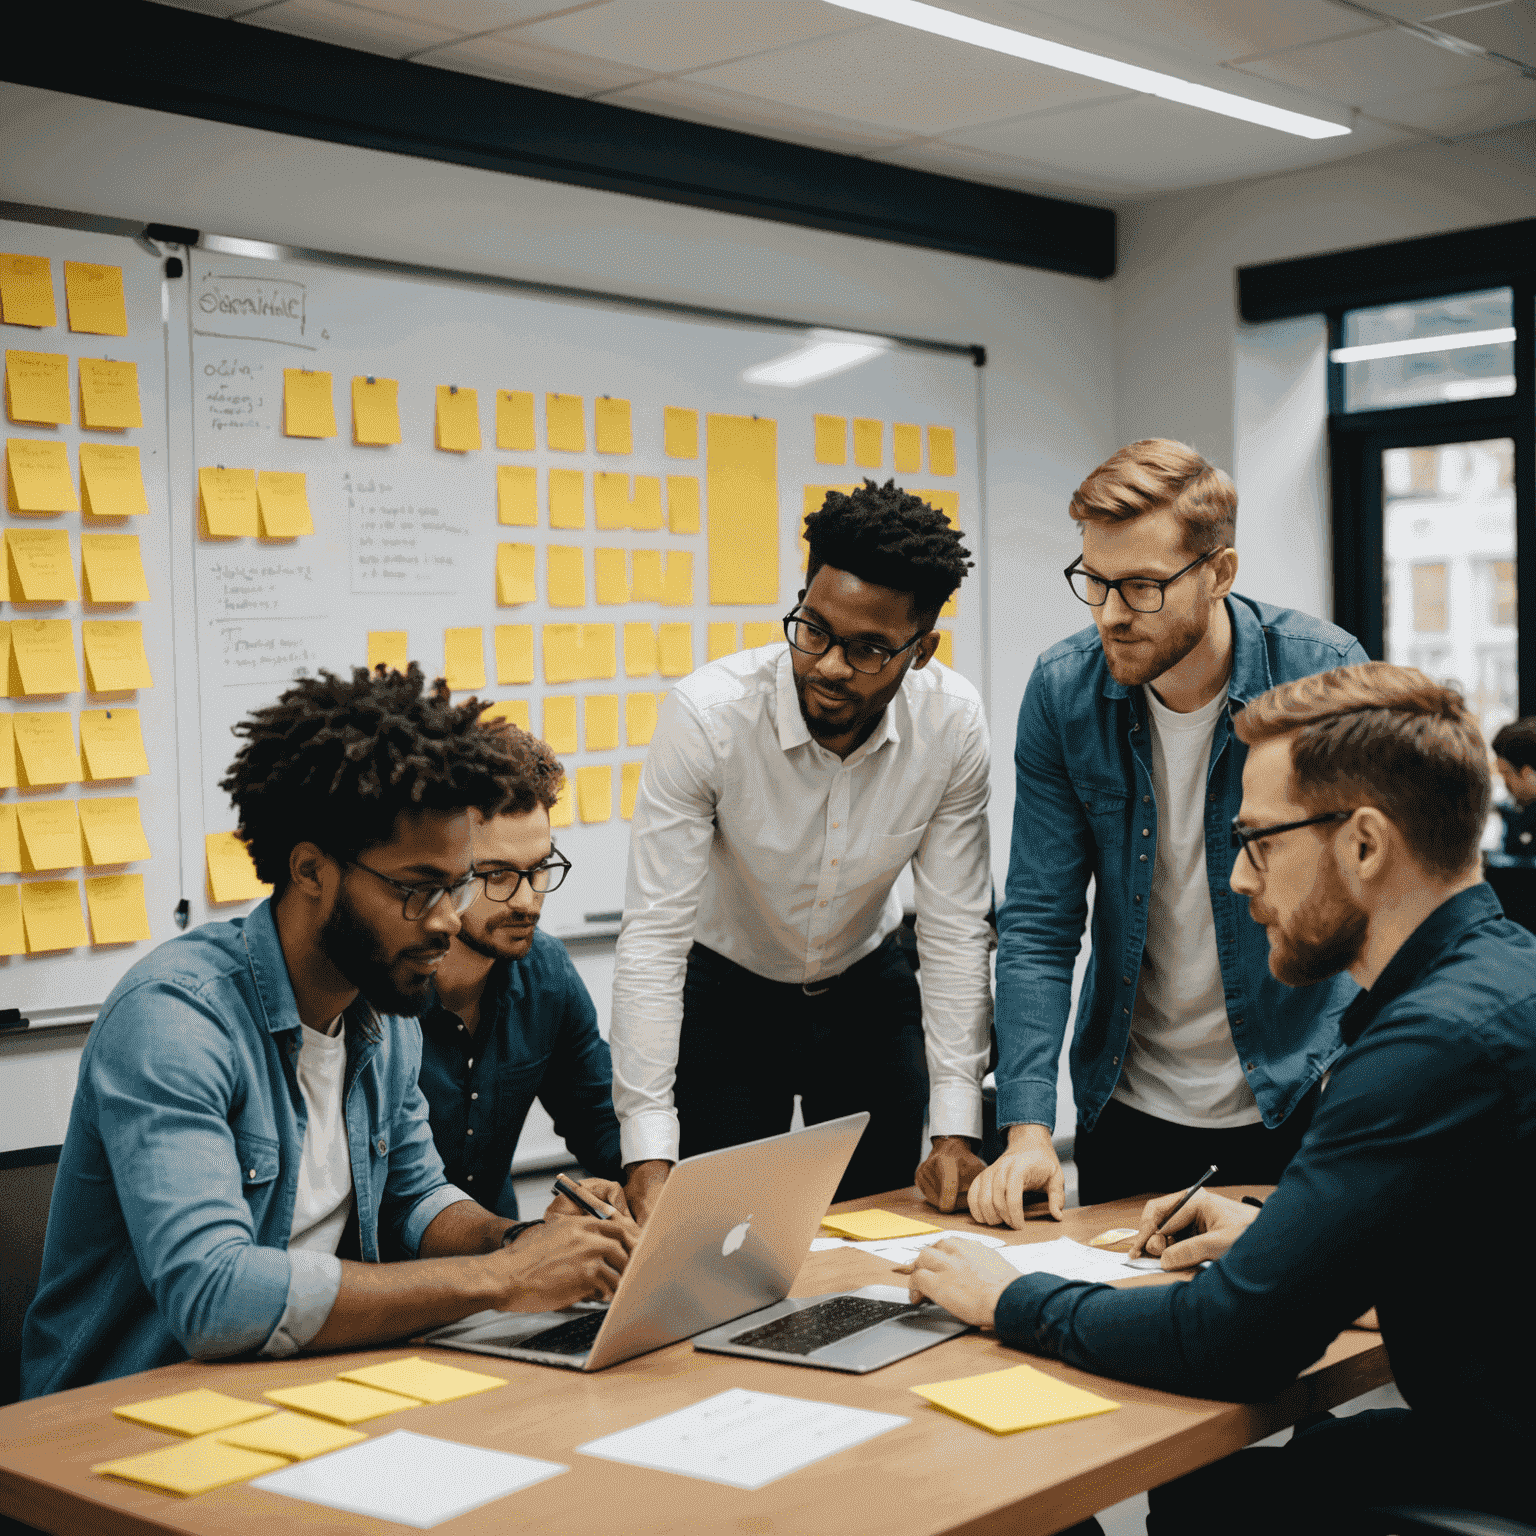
[753, 839]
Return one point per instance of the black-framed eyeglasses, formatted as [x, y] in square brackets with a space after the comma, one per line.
[502, 884]
[420, 899]
[1141, 594]
[1251, 839]
[862, 655]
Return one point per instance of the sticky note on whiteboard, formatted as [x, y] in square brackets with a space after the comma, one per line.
[639, 719]
[907, 441]
[831, 439]
[375, 411]
[282, 502]
[610, 576]
[564, 424]
[50, 835]
[94, 297]
[112, 744]
[13, 935]
[683, 503]
[39, 565]
[42, 658]
[676, 644]
[26, 291]
[231, 874]
[720, 640]
[464, 658]
[612, 422]
[458, 419]
[567, 577]
[517, 495]
[629, 788]
[109, 394]
[112, 568]
[941, 450]
[868, 443]
[594, 793]
[227, 503]
[308, 408]
[515, 574]
[640, 655]
[44, 748]
[114, 655]
[389, 648]
[680, 432]
[112, 480]
[37, 476]
[559, 728]
[37, 387]
[514, 653]
[116, 905]
[560, 813]
[112, 830]
[50, 913]
[513, 710]
[601, 722]
[567, 499]
[514, 420]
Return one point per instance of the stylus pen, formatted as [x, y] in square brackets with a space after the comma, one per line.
[1189, 1195]
[563, 1186]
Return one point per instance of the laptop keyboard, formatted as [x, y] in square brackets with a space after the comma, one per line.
[828, 1321]
[573, 1338]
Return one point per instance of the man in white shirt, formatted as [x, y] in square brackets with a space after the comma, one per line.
[786, 789]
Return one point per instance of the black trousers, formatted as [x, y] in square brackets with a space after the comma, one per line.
[1129, 1153]
[749, 1046]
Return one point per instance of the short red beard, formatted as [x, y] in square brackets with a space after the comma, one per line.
[1146, 666]
[1324, 937]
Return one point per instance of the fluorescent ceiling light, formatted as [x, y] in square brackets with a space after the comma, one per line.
[1455, 342]
[824, 353]
[1077, 61]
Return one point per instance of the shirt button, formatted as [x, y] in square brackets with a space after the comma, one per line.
[1146, 799]
[1146, 832]
[1249, 1067]
[470, 1131]
[474, 1095]
[251, 1174]
[1138, 898]
[1238, 1022]
[836, 825]
[821, 903]
[1125, 981]
[382, 1146]
[1143, 858]
[1114, 1061]
[1126, 1012]
[834, 861]
[469, 1178]
[461, 1029]
[471, 1061]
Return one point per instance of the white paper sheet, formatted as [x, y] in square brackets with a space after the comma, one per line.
[743, 1439]
[902, 1250]
[1068, 1260]
[411, 1479]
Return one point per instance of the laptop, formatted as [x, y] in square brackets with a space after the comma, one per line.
[724, 1243]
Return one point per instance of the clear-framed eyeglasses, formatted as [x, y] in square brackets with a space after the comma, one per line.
[420, 899]
[502, 884]
[1141, 594]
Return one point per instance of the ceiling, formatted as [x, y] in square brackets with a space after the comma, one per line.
[1397, 71]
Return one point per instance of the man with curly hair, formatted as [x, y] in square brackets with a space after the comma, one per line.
[510, 1020]
[248, 1143]
[786, 789]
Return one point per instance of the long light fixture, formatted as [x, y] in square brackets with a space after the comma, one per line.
[1078, 61]
[1456, 341]
[824, 353]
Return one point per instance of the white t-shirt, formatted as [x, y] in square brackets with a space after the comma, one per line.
[324, 1198]
[1180, 1063]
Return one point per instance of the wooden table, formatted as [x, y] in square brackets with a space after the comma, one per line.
[934, 1474]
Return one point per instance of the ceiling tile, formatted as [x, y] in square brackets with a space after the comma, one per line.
[1464, 110]
[514, 57]
[1506, 29]
[465, 16]
[350, 26]
[999, 170]
[1428, 10]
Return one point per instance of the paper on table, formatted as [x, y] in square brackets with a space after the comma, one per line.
[875, 1225]
[26, 290]
[680, 434]
[639, 719]
[94, 296]
[282, 504]
[389, 648]
[601, 721]
[594, 792]
[308, 408]
[676, 645]
[342, 1402]
[37, 476]
[50, 913]
[231, 874]
[720, 640]
[191, 1413]
[375, 411]
[610, 576]
[40, 568]
[517, 495]
[683, 502]
[560, 722]
[109, 395]
[1017, 1398]
[567, 577]
[427, 1380]
[42, 658]
[112, 830]
[112, 568]
[756, 632]
[114, 655]
[45, 748]
[564, 423]
[226, 500]
[118, 913]
[458, 419]
[411, 1479]
[13, 934]
[190, 1466]
[1068, 1260]
[293, 1436]
[568, 499]
[941, 450]
[741, 1438]
[514, 575]
[907, 443]
[612, 422]
[629, 787]
[514, 420]
[831, 439]
[514, 653]
[112, 480]
[868, 443]
[37, 387]
[50, 835]
[639, 650]
[515, 710]
[464, 658]
[903, 1250]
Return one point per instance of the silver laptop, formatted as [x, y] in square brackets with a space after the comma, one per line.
[725, 1241]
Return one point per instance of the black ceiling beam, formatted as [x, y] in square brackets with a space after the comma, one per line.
[147, 55]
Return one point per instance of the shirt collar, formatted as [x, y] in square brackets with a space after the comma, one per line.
[791, 725]
[1250, 674]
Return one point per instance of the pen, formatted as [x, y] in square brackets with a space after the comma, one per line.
[1189, 1194]
[563, 1186]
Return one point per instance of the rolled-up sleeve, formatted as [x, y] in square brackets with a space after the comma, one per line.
[314, 1281]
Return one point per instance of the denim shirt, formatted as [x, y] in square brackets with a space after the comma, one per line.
[1085, 811]
[168, 1230]
[537, 1039]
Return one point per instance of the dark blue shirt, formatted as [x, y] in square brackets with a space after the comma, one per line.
[1519, 829]
[1411, 1193]
[537, 1039]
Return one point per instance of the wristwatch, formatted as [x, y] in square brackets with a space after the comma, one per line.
[517, 1229]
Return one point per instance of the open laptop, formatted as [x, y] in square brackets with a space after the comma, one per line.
[724, 1242]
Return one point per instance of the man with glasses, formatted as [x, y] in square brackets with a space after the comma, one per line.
[1185, 1050]
[785, 790]
[510, 1021]
[248, 1145]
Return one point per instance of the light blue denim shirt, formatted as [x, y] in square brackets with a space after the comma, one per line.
[168, 1231]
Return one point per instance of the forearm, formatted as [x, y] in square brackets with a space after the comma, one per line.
[464, 1227]
[381, 1302]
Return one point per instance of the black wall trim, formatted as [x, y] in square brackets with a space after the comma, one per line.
[147, 55]
[30, 1157]
[1464, 260]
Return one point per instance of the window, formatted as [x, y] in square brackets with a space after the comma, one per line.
[1429, 600]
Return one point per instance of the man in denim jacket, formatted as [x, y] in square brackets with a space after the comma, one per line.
[247, 1125]
[1185, 1051]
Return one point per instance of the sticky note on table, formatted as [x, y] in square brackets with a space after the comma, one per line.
[515, 574]
[40, 567]
[50, 835]
[639, 719]
[610, 575]
[683, 503]
[227, 503]
[109, 394]
[112, 830]
[42, 658]
[941, 450]
[458, 419]
[517, 495]
[612, 423]
[756, 632]
[231, 874]
[114, 655]
[426, 1380]
[565, 427]
[192, 1466]
[464, 658]
[51, 916]
[945, 650]
[640, 655]
[567, 577]
[514, 710]
[112, 569]
[594, 794]
[117, 909]
[831, 439]
[868, 443]
[37, 387]
[112, 744]
[559, 728]
[677, 584]
[94, 297]
[112, 480]
[342, 1402]
[514, 420]
[293, 1436]
[26, 290]
[720, 640]
[514, 653]
[13, 933]
[389, 648]
[567, 499]
[37, 477]
[308, 407]
[629, 788]
[45, 748]
[600, 725]
[676, 647]
[874, 1226]
[907, 443]
[10, 855]
[680, 433]
[282, 505]
[375, 411]
[742, 491]
[645, 575]
[1017, 1398]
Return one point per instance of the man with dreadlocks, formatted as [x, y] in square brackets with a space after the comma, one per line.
[248, 1124]
[786, 789]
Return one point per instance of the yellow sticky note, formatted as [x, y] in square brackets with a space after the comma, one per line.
[514, 574]
[720, 640]
[111, 568]
[112, 480]
[947, 502]
[559, 728]
[514, 653]
[112, 744]
[294, 1436]
[815, 497]
[742, 489]
[560, 813]
[50, 835]
[51, 916]
[10, 856]
[945, 650]
[941, 450]
[868, 443]
[425, 1380]
[831, 439]
[517, 495]
[118, 912]
[676, 644]
[677, 585]
[567, 577]
[875, 1226]
[464, 658]
[567, 499]
[761, 632]
[613, 429]
[191, 1466]
[375, 411]
[42, 658]
[13, 933]
[231, 874]
[907, 441]
[458, 419]
[227, 503]
[515, 710]
[45, 749]
[94, 297]
[282, 504]
[565, 428]
[109, 395]
[9, 773]
[308, 408]
[680, 433]
[37, 476]
[594, 794]
[1017, 1398]
[645, 504]
[40, 567]
[610, 499]
[389, 648]
[37, 387]
[112, 830]
[639, 719]
[599, 658]
[562, 653]
[609, 576]
[645, 575]
[514, 420]
[683, 503]
[629, 788]
[639, 650]
[114, 655]
[600, 724]
[26, 290]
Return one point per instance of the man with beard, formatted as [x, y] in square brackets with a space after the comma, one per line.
[247, 1140]
[511, 1021]
[1185, 1052]
[1364, 798]
[785, 790]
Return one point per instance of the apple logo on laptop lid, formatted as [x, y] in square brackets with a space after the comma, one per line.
[735, 1238]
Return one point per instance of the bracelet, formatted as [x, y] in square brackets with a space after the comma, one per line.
[517, 1229]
